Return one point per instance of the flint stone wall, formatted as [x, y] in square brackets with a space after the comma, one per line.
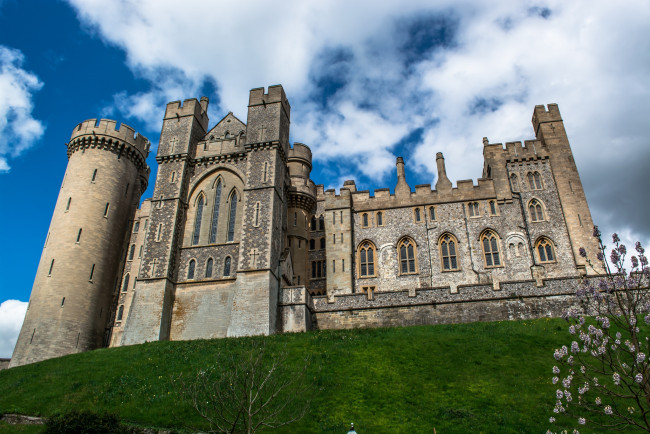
[511, 301]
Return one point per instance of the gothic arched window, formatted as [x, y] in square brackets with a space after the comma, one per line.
[534, 180]
[232, 217]
[125, 283]
[536, 211]
[215, 213]
[321, 223]
[514, 182]
[490, 244]
[190, 270]
[545, 250]
[197, 221]
[448, 255]
[406, 252]
[364, 220]
[208, 268]
[131, 252]
[366, 255]
[226, 266]
[417, 216]
[379, 218]
[432, 213]
[473, 209]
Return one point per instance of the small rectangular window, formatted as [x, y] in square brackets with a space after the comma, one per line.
[333, 265]
[140, 254]
[49, 273]
[62, 301]
[106, 209]
[92, 272]
[343, 265]
[136, 227]
[159, 234]
[333, 238]
[79, 236]
[94, 176]
[67, 207]
[341, 217]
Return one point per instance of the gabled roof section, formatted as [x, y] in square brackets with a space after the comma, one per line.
[229, 124]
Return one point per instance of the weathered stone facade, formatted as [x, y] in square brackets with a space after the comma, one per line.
[238, 240]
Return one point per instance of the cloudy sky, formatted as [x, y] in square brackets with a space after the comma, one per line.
[367, 81]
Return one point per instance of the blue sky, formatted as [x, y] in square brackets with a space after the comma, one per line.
[367, 81]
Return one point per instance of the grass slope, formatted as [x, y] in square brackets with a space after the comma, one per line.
[480, 377]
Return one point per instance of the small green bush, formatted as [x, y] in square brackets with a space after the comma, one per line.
[83, 422]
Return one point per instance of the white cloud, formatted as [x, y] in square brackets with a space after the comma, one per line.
[460, 70]
[18, 129]
[12, 314]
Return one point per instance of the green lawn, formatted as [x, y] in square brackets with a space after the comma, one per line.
[481, 377]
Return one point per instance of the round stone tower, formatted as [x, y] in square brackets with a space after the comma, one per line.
[301, 204]
[70, 306]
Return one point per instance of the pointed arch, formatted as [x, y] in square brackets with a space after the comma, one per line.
[545, 250]
[199, 204]
[491, 252]
[233, 198]
[407, 256]
[226, 266]
[208, 268]
[366, 253]
[191, 268]
[448, 249]
[536, 210]
[514, 182]
[214, 223]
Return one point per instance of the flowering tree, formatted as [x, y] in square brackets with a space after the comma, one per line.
[603, 376]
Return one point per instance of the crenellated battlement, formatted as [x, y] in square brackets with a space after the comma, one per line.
[189, 107]
[275, 94]
[542, 115]
[107, 128]
[300, 151]
[516, 151]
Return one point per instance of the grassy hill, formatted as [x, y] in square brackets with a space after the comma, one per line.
[481, 377]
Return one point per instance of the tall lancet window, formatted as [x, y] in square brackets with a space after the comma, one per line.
[232, 217]
[215, 213]
[197, 221]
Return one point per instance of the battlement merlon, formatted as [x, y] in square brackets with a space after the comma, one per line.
[189, 107]
[107, 128]
[275, 94]
[542, 115]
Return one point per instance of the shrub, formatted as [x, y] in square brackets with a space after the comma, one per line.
[85, 422]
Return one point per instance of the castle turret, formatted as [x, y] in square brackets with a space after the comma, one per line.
[549, 129]
[71, 301]
[301, 204]
[402, 188]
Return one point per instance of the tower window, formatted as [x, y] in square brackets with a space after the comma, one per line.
[514, 182]
[312, 244]
[215, 213]
[226, 266]
[493, 208]
[67, 207]
[140, 252]
[322, 243]
[208, 268]
[295, 219]
[491, 249]
[62, 301]
[534, 180]
[190, 270]
[406, 252]
[131, 252]
[106, 209]
[257, 215]
[159, 233]
[379, 218]
[545, 250]
[136, 227]
[49, 273]
[232, 217]
[364, 220]
[197, 221]
[94, 176]
[473, 209]
[313, 223]
[417, 215]
[366, 254]
[432, 213]
[79, 236]
[321, 223]
[448, 245]
[92, 273]
[125, 284]
[536, 211]
[120, 313]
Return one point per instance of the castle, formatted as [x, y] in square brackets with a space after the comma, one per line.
[238, 240]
